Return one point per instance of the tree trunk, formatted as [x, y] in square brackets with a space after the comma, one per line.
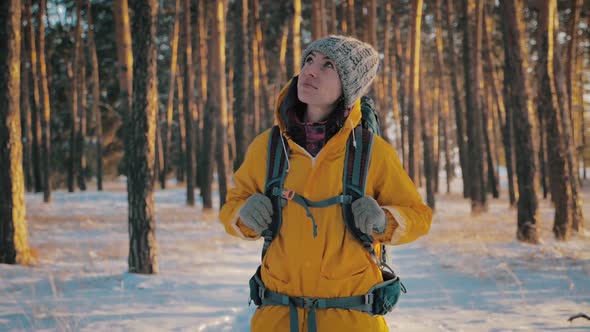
[570, 65]
[377, 83]
[75, 86]
[159, 160]
[124, 60]
[201, 121]
[458, 104]
[399, 79]
[209, 138]
[394, 87]
[282, 60]
[241, 81]
[296, 36]
[543, 162]
[351, 17]
[189, 83]
[231, 129]
[324, 17]
[317, 19]
[581, 93]
[509, 141]
[219, 102]
[333, 28]
[446, 119]
[441, 101]
[566, 116]
[14, 243]
[344, 17]
[125, 53]
[95, 96]
[36, 112]
[559, 175]
[386, 71]
[499, 106]
[414, 95]
[140, 145]
[230, 72]
[490, 144]
[26, 117]
[266, 114]
[180, 175]
[256, 99]
[472, 67]
[170, 104]
[82, 110]
[46, 117]
[518, 101]
[426, 110]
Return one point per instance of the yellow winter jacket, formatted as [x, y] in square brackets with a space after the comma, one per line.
[334, 264]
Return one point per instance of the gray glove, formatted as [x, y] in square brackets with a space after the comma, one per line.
[257, 212]
[368, 215]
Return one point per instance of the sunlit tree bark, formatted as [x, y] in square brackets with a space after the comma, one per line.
[14, 243]
[219, 102]
[141, 140]
[46, 108]
[414, 95]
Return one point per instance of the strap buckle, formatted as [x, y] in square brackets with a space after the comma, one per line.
[288, 194]
[369, 298]
[309, 302]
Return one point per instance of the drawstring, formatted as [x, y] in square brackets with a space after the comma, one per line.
[286, 154]
[353, 138]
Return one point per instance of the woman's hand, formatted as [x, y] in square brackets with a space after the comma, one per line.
[257, 212]
[368, 215]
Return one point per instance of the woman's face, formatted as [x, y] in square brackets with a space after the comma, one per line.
[319, 83]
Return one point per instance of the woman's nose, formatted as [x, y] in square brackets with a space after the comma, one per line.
[310, 70]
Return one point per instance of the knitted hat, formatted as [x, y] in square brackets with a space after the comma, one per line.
[356, 63]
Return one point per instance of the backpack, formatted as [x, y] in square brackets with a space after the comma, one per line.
[369, 119]
[382, 297]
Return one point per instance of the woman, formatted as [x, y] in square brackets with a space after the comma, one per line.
[316, 113]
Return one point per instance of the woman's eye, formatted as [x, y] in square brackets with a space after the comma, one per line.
[329, 65]
[309, 60]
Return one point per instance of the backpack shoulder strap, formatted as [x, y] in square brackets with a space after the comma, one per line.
[356, 166]
[276, 171]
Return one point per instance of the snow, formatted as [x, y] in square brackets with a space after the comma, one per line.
[468, 274]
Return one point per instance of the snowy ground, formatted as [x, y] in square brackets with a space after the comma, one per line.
[468, 274]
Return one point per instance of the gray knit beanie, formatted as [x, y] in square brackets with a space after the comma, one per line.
[356, 62]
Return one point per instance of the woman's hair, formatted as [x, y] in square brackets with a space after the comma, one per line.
[291, 108]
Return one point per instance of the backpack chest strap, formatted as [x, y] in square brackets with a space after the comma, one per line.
[290, 195]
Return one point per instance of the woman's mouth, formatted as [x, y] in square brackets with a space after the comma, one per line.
[307, 85]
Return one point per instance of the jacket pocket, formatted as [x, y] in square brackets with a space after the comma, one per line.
[349, 262]
[275, 265]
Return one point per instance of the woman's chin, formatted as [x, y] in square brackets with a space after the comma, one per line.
[305, 98]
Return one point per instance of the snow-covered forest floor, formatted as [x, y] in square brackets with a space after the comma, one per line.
[468, 274]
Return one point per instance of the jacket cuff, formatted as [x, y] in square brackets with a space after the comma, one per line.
[396, 226]
[241, 229]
